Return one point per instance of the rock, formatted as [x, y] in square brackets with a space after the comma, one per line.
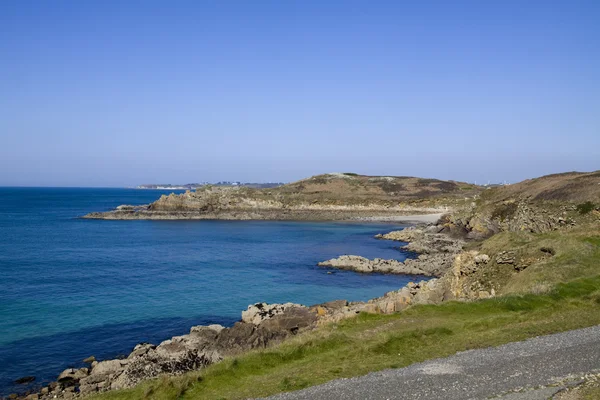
[44, 391]
[141, 349]
[24, 380]
[70, 376]
[482, 259]
[108, 367]
[364, 265]
[89, 360]
[257, 313]
[506, 257]
[292, 320]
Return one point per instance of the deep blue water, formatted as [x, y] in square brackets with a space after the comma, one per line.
[71, 288]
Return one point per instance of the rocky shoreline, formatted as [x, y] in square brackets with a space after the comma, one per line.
[261, 325]
[280, 214]
[436, 252]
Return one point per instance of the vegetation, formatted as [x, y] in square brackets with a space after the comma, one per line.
[552, 286]
[542, 260]
[505, 211]
[585, 208]
[373, 342]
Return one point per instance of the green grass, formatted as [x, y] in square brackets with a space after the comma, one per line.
[372, 342]
[576, 255]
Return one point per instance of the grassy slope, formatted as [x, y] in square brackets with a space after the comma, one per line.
[577, 254]
[373, 342]
[342, 189]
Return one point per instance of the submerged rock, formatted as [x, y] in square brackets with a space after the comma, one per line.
[24, 380]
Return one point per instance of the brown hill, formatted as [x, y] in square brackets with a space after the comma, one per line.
[386, 188]
[576, 187]
[335, 196]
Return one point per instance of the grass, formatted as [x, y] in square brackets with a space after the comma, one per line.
[372, 342]
[550, 258]
[558, 291]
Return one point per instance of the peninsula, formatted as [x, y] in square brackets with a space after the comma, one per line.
[336, 196]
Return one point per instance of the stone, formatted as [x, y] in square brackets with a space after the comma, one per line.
[89, 360]
[506, 257]
[141, 349]
[259, 312]
[364, 265]
[108, 367]
[482, 259]
[292, 320]
[24, 380]
[71, 375]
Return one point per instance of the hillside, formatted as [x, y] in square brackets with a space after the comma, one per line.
[386, 188]
[574, 187]
[335, 196]
[535, 205]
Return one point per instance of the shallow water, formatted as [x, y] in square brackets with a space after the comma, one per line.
[70, 288]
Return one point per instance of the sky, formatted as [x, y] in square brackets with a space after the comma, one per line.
[120, 93]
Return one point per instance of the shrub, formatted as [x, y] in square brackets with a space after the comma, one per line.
[585, 208]
[504, 211]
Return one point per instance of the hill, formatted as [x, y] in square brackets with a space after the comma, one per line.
[577, 187]
[535, 205]
[336, 196]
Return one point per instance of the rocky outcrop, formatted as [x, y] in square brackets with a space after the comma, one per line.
[436, 253]
[512, 215]
[286, 203]
[259, 312]
[362, 264]
[261, 325]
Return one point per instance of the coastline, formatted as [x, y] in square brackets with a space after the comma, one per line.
[407, 219]
[128, 213]
[217, 341]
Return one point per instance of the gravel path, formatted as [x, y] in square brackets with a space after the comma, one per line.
[534, 369]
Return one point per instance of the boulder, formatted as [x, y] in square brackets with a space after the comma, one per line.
[70, 376]
[257, 313]
[482, 259]
[109, 367]
[506, 257]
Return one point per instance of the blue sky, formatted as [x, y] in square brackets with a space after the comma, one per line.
[117, 93]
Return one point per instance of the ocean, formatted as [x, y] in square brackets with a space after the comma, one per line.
[71, 288]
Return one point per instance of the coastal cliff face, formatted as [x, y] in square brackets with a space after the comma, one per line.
[322, 197]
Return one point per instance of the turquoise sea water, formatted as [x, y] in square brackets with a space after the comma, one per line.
[71, 288]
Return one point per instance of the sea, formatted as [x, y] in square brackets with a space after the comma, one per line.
[72, 288]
